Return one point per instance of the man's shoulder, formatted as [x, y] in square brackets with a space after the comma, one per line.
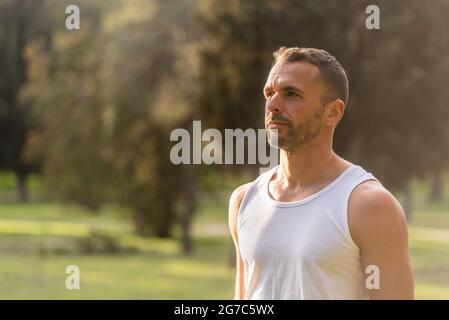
[238, 194]
[373, 211]
[234, 206]
[371, 194]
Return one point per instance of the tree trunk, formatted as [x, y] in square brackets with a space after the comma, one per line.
[188, 208]
[21, 186]
[436, 187]
[163, 229]
[408, 201]
[141, 225]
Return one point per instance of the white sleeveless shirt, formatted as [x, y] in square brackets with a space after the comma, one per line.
[301, 249]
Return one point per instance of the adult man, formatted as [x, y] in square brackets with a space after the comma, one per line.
[316, 226]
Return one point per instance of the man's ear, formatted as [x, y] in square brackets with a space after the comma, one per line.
[335, 111]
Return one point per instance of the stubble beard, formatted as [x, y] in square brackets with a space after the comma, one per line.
[295, 137]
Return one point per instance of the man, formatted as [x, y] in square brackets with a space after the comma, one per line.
[316, 226]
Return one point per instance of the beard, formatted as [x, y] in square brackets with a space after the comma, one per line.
[293, 137]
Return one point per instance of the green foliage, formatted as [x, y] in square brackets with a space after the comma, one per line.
[394, 124]
[107, 97]
[95, 107]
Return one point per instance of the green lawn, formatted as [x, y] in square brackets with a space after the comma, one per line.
[32, 267]
[39, 240]
[159, 273]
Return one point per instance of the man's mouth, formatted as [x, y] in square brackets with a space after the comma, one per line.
[276, 124]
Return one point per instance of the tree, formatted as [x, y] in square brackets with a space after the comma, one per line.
[17, 27]
[387, 126]
[108, 97]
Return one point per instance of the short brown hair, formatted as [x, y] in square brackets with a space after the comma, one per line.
[331, 71]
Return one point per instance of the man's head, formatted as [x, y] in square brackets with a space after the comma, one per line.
[306, 91]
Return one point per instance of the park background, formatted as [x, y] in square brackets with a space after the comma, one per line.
[86, 116]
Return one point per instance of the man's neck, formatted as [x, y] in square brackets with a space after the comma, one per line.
[309, 166]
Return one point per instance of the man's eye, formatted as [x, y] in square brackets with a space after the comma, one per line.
[292, 94]
[269, 94]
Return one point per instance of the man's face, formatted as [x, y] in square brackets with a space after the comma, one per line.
[293, 108]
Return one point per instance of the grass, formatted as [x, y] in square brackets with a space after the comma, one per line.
[157, 271]
[155, 274]
[32, 267]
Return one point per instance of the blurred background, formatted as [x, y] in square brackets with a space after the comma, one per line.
[86, 116]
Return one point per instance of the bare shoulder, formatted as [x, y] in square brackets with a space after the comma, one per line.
[374, 212]
[239, 193]
[235, 201]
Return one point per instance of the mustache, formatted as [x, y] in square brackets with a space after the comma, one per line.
[279, 117]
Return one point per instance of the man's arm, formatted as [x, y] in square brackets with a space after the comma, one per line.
[234, 206]
[378, 226]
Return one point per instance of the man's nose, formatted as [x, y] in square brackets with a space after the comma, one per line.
[274, 103]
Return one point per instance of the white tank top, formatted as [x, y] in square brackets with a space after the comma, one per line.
[301, 249]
